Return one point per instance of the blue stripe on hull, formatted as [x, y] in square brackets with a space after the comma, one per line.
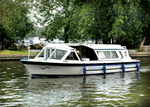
[77, 64]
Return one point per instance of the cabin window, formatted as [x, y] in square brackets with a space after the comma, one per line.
[107, 54]
[49, 52]
[41, 54]
[121, 54]
[58, 54]
[72, 56]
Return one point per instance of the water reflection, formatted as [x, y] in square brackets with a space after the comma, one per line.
[120, 89]
[10, 94]
[82, 91]
[11, 84]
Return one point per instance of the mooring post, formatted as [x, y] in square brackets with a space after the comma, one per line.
[28, 50]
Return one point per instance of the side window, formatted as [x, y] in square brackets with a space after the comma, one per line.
[107, 54]
[72, 56]
[49, 52]
[121, 54]
[101, 54]
[41, 54]
[52, 50]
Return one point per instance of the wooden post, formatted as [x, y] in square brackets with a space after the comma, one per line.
[28, 50]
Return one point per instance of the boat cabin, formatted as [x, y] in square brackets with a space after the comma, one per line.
[82, 52]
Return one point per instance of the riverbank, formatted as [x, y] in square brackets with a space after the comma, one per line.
[17, 57]
[14, 57]
[139, 54]
[7, 55]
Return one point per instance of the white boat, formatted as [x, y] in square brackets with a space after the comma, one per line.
[23, 42]
[62, 59]
[34, 41]
[43, 41]
[57, 41]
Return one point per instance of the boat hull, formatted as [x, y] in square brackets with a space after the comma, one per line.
[79, 69]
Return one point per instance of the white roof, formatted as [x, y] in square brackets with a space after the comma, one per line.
[104, 46]
[100, 46]
[92, 46]
[59, 46]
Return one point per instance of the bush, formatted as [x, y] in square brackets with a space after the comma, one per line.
[21, 48]
[15, 47]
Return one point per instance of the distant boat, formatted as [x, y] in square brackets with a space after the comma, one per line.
[64, 59]
[43, 41]
[35, 43]
[23, 42]
[57, 41]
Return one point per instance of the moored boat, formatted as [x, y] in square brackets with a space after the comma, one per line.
[81, 59]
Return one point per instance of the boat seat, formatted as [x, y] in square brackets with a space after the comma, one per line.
[59, 57]
[85, 59]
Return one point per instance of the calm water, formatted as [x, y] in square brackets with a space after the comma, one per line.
[18, 89]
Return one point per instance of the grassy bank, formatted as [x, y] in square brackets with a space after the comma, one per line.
[10, 52]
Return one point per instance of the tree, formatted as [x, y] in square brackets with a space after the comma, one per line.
[130, 24]
[14, 22]
[125, 20]
[58, 15]
[97, 19]
[145, 17]
[36, 32]
[121, 19]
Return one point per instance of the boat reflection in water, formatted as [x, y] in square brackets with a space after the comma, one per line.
[81, 90]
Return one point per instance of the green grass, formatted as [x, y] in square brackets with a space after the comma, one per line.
[25, 52]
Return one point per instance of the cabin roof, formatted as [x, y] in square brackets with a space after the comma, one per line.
[92, 46]
[59, 46]
[104, 46]
[99, 46]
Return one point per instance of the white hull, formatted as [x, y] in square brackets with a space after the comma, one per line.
[78, 70]
[54, 70]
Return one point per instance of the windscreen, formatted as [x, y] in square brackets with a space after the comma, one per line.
[58, 54]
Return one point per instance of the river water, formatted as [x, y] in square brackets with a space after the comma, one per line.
[130, 89]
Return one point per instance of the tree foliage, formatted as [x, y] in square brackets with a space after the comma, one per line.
[145, 19]
[57, 15]
[125, 20]
[96, 19]
[14, 22]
